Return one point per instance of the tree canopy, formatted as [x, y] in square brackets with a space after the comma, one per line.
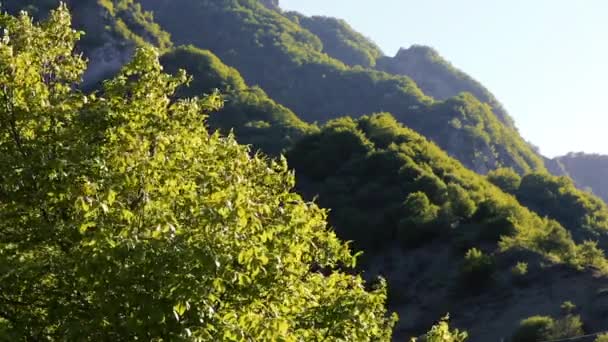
[122, 218]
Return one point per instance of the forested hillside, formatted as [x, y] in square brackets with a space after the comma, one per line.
[255, 118]
[289, 62]
[439, 78]
[144, 193]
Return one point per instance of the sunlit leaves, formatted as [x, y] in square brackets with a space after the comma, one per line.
[122, 218]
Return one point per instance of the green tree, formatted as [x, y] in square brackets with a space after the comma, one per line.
[441, 333]
[419, 216]
[122, 218]
[477, 268]
[544, 328]
[602, 338]
[534, 329]
[506, 179]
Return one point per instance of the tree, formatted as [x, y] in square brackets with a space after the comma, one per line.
[441, 333]
[535, 328]
[506, 179]
[122, 218]
[602, 338]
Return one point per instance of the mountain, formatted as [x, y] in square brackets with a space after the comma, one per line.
[447, 239]
[113, 29]
[589, 171]
[395, 147]
[254, 117]
[340, 40]
[270, 49]
[439, 78]
[556, 197]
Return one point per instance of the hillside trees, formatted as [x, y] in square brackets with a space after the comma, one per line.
[254, 117]
[386, 184]
[585, 215]
[288, 61]
[122, 218]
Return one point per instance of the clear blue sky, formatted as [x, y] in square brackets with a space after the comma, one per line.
[545, 60]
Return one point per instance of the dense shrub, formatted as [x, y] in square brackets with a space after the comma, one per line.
[477, 268]
[545, 328]
[534, 329]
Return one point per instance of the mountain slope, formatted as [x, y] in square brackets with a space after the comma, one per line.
[113, 28]
[255, 118]
[288, 62]
[340, 41]
[589, 171]
[583, 214]
[439, 78]
[419, 215]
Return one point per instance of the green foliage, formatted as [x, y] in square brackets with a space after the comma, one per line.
[534, 329]
[520, 269]
[477, 268]
[102, 20]
[439, 78]
[122, 218]
[588, 171]
[568, 307]
[568, 326]
[602, 338]
[132, 23]
[506, 179]
[441, 333]
[209, 73]
[545, 328]
[249, 112]
[289, 63]
[419, 216]
[339, 40]
[386, 183]
[483, 141]
[585, 215]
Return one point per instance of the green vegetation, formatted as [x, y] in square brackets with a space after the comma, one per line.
[102, 21]
[484, 143]
[520, 270]
[289, 63]
[583, 214]
[439, 78]
[534, 329]
[339, 40]
[588, 171]
[131, 212]
[122, 218]
[441, 332]
[506, 179]
[602, 338]
[477, 268]
[255, 118]
[545, 328]
[386, 183]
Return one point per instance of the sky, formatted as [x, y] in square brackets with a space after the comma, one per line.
[545, 60]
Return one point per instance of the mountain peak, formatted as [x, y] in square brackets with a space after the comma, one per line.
[416, 50]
